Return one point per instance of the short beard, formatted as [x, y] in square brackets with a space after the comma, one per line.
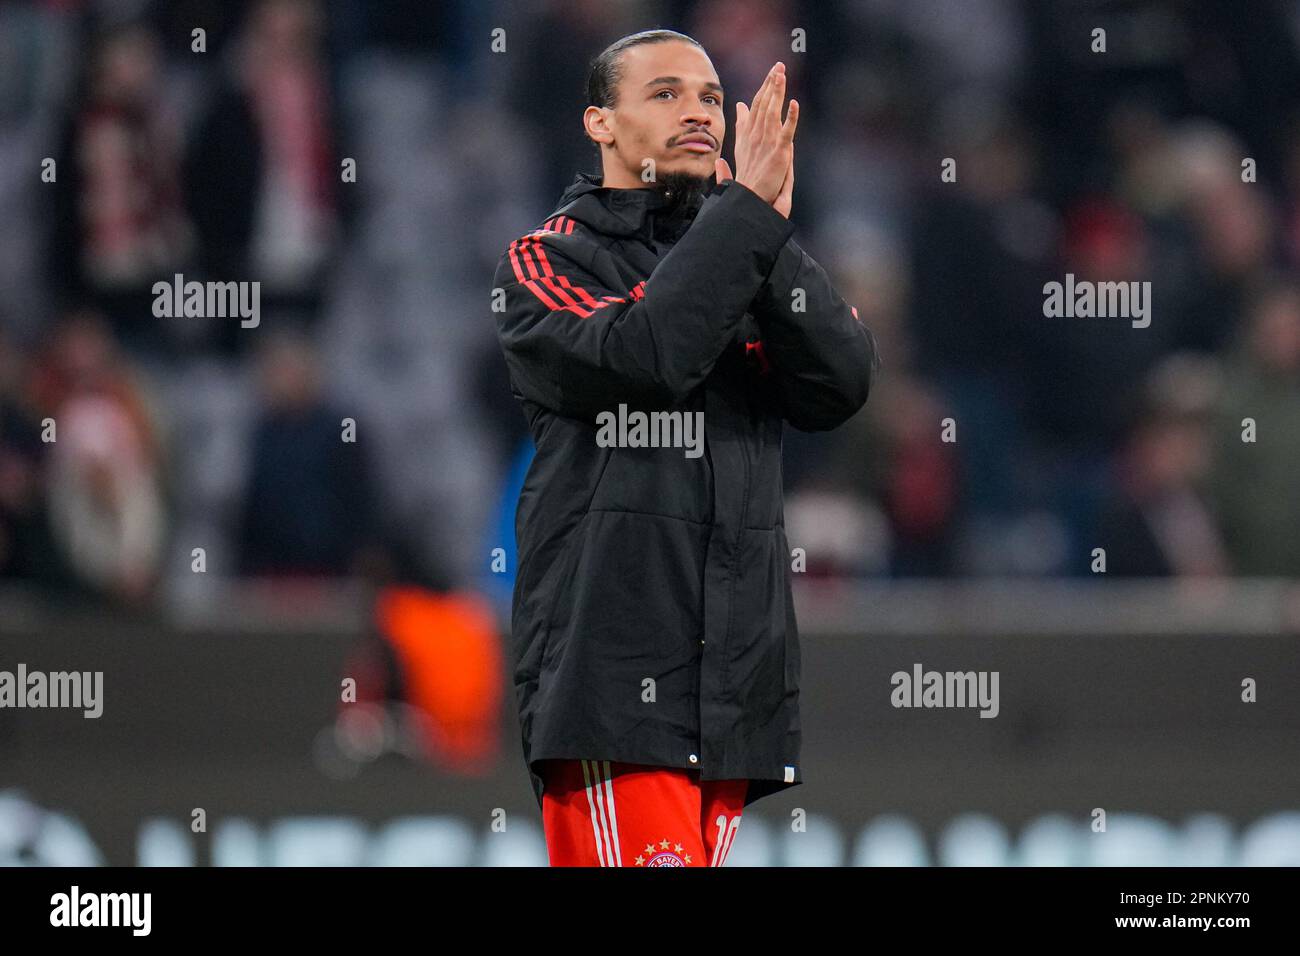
[682, 193]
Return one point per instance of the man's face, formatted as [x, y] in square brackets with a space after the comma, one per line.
[669, 110]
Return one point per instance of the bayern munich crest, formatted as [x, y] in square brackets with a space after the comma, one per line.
[660, 854]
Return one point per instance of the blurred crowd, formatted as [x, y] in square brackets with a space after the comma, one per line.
[132, 150]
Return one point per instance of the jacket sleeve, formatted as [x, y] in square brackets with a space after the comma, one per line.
[577, 347]
[823, 358]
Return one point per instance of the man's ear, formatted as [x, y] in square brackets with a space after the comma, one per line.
[595, 120]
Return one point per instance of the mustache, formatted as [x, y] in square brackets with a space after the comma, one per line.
[694, 132]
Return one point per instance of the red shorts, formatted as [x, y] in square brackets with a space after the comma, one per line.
[604, 813]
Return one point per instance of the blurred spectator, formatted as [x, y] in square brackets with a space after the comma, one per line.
[105, 489]
[1233, 224]
[1256, 484]
[118, 221]
[261, 171]
[979, 261]
[309, 508]
[1158, 523]
[1086, 368]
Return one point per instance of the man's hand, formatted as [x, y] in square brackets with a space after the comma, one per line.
[765, 143]
[786, 196]
[784, 199]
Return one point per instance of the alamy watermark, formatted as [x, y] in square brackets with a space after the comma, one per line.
[922, 688]
[83, 690]
[1085, 300]
[208, 300]
[651, 430]
[75, 908]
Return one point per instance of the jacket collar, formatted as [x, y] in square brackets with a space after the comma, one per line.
[614, 212]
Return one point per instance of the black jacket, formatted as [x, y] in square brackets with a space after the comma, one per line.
[652, 618]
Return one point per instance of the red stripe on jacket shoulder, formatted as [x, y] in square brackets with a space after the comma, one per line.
[534, 272]
[561, 225]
